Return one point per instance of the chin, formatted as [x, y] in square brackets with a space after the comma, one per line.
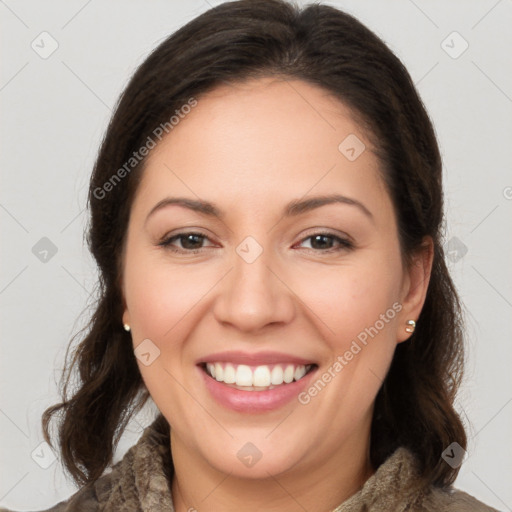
[268, 466]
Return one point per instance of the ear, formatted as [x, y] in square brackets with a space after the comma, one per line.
[415, 286]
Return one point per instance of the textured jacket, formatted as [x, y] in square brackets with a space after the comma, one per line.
[140, 482]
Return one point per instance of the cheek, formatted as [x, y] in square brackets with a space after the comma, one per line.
[353, 298]
[159, 296]
[161, 302]
[357, 307]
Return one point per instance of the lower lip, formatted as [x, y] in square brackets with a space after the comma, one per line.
[254, 401]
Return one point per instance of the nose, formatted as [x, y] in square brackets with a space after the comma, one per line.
[254, 295]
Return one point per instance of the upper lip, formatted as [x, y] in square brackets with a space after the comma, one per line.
[256, 358]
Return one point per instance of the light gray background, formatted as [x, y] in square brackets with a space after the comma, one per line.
[55, 111]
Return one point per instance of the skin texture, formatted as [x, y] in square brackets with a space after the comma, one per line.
[250, 149]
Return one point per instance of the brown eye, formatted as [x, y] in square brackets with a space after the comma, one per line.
[189, 242]
[324, 242]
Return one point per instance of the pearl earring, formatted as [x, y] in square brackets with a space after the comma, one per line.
[411, 325]
[126, 327]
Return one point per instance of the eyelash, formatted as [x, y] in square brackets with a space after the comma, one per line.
[345, 244]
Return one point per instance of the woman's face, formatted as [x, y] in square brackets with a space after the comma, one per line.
[275, 283]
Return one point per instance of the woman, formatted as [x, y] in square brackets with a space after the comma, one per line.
[266, 213]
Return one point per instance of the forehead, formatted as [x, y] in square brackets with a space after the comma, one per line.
[262, 139]
[275, 111]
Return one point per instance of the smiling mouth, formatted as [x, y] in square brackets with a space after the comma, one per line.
[256, 378]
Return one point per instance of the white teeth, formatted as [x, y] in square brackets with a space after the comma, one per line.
[261, 377]
[300, 371]
[229, 374]
[276, 377]
[219, 372]
[243, 375]
[288, 374]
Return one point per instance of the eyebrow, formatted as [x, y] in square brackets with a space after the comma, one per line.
[292, 209]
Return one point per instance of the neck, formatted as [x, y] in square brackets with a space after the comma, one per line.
[321, 486]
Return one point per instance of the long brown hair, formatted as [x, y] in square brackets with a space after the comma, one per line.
[325, 47]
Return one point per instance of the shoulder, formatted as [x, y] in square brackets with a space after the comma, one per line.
[454, 500]
[86, 499]
[139, 477]
[397, 486]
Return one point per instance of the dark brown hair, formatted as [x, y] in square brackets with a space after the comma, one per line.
[323, 46]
